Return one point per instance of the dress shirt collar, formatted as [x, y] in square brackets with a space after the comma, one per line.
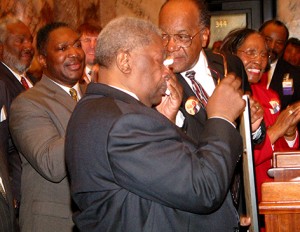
[126, 91]
[203, 74]
[67, 89]
[87, 72]
[18, 76]
[271, 72]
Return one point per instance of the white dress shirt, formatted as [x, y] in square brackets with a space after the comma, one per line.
[18, 76]
[203, 75]
[67, 89]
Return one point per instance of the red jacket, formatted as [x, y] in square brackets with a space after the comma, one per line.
[263, 153]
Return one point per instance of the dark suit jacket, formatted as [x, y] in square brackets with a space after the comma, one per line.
[283, 67]
[194, 124]
[13, 88]
[194, 127]
[38, 123]
[131, 169]
[7, 216]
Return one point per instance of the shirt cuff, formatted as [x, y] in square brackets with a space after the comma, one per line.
[179, 119]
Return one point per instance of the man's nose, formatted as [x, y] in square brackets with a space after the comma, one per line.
[172, 45]
[73, 52]
[93, 43]
[271, 45]
[27, 44]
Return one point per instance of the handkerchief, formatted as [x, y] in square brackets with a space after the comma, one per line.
[3, 114]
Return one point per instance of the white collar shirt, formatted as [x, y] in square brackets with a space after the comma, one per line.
[203, 74]
[67, 89]
[18, 76]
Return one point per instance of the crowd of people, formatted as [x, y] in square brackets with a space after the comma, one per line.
[112, 138]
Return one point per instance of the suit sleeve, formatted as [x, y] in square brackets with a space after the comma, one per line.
[158, 164]
[38, 139]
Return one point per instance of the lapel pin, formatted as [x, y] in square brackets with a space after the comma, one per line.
[192, 105]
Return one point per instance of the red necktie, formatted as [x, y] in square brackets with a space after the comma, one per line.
[198, 89]
[24, 82]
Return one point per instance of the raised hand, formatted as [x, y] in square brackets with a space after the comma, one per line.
[226, 101]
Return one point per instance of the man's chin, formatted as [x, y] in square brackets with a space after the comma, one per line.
[273, 57]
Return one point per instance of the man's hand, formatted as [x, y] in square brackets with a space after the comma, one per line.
[170, 103]
[256, 113]
[226, 101]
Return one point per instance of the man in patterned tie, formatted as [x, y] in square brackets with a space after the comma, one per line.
[185, 26]
[16, 54]
[38, 122]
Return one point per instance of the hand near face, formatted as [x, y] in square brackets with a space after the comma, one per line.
[256, 114]
[170, 103]
[226, 100]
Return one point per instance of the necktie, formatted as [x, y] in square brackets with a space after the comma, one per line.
[24, 82]
[197, 88]
[73, 94]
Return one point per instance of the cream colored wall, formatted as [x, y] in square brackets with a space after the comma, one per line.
[288, 11]
[36, 13]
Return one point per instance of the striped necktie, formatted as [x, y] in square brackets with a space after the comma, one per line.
[197, 88]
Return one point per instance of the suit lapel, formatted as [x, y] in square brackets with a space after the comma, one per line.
[14, 86]
[215, 63]
[188, 92]
[56, 92]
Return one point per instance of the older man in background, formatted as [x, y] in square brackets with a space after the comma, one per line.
[283, 77]
[16, 54]
[89, 32]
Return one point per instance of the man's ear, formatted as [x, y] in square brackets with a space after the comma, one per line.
[205, 37]
[123, 62]
[42, 61]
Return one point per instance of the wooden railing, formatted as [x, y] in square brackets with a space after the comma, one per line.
[281, 199]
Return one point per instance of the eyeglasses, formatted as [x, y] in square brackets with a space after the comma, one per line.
[252, 54]
[181, 40]
[89, 40]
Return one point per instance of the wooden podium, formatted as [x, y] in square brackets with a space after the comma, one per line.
[281, 199]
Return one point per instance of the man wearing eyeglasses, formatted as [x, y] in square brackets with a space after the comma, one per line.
[185, 27]
[88, 36]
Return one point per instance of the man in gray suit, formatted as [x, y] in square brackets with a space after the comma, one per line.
[38, 122]
[16, 54]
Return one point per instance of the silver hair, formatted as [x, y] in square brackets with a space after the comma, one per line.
[126, 34]
[9, 19]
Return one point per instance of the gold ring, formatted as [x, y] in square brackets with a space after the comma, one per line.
[257, 107]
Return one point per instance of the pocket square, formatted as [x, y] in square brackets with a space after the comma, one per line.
[3, 114]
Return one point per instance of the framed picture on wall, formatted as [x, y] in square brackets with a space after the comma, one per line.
[221, 23]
